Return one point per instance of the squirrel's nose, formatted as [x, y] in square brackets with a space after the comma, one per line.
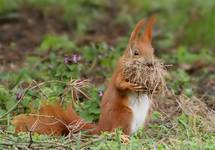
[149, 60]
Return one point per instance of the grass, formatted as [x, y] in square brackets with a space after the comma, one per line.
[87, 46]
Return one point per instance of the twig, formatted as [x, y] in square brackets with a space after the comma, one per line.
[40, 89]
[31, 140]
[91, 142]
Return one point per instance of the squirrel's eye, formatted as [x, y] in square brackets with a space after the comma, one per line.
[136, 52]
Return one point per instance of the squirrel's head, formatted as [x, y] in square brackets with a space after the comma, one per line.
[139, 46]
[138, 63]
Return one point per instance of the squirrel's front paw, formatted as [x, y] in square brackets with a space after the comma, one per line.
[134, 87]
[131, 86]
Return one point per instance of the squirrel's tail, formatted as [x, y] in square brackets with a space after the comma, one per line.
[51, 119]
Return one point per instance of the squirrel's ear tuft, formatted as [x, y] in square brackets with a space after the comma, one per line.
[135, 32]
[147, 34]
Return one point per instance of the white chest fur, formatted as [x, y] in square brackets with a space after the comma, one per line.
[140, 105]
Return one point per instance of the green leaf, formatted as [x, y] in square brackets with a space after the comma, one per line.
[4, 95]
[10, 103]
[2, 111]
[55, 42]
[26, 101]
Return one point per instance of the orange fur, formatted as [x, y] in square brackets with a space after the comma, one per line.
[51, 119]
[115, 112]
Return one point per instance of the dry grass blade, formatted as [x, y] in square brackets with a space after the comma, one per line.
[173, 105]
[9, 140]
[76, 87]
[197, 108]
[148, 75]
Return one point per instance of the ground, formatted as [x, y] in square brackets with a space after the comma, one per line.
[44, 45]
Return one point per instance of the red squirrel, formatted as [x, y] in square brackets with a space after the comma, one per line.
[122, 104]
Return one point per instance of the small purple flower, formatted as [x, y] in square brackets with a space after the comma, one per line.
[66, 60]
[19, 95]
[76, 58]
[101, 93]
[73, 59]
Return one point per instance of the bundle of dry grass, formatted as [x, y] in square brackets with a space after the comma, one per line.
[148, 75]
